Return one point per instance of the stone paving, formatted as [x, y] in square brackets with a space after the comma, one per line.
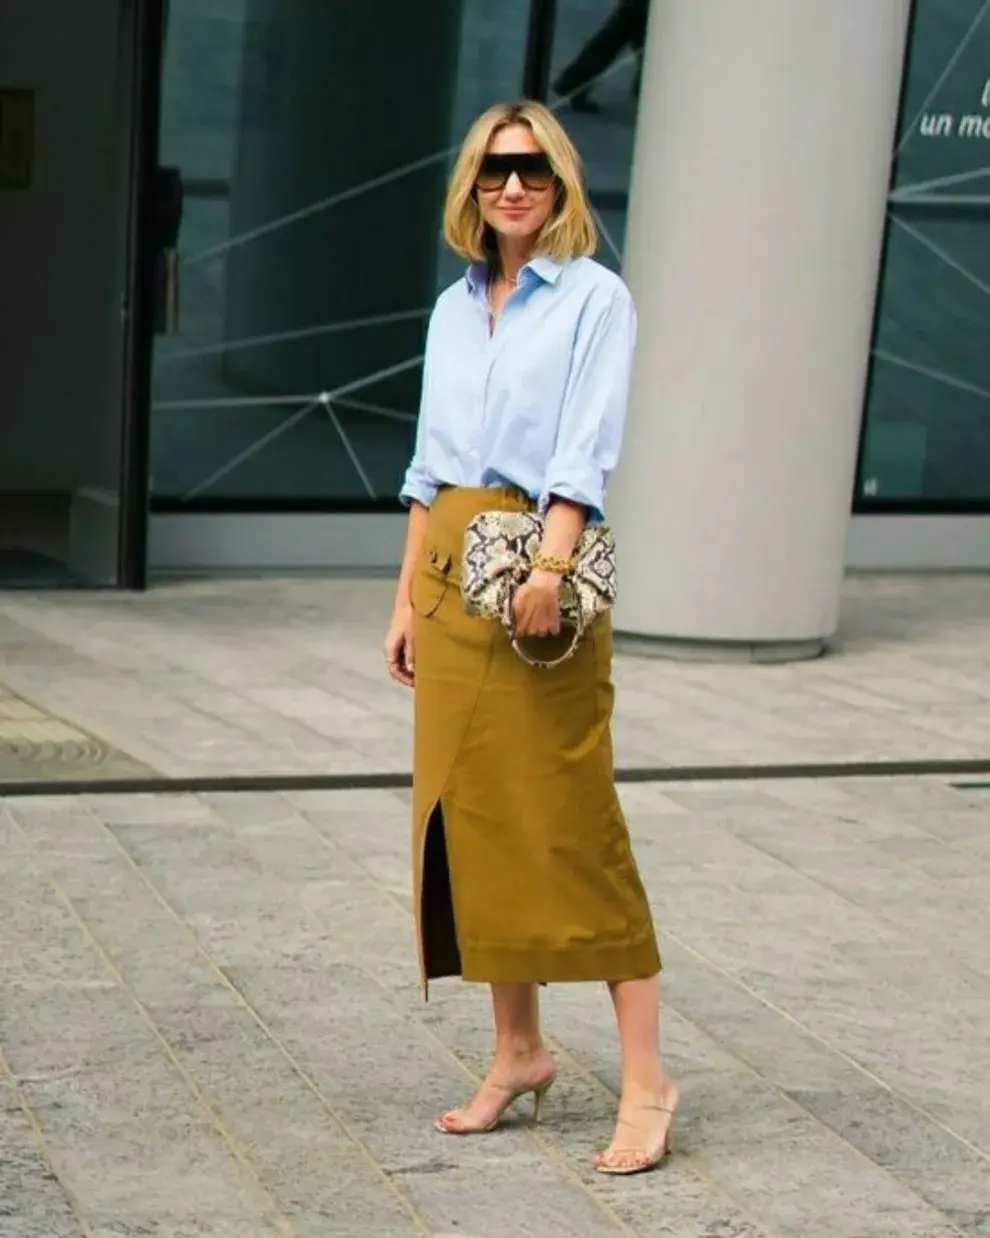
[211, 1023]
[286, 677]
[36, 746]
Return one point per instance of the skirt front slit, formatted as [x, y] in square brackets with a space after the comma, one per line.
[523, 870]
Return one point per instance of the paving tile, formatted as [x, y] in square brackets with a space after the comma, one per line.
[286, 677]
[222, 989]
[212, 1021]
[33, 1203]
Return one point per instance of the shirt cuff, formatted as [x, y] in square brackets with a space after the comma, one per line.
[577, 484]
[418, 489]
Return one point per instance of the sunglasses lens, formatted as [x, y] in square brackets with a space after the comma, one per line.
[537, 177]
[533, 170]
[490, 178]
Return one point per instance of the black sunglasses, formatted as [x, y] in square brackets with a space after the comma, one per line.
[534, 170]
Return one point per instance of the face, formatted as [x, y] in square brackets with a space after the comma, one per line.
[515, 197]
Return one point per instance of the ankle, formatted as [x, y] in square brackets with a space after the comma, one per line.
[518, 1049]
[648, 1086]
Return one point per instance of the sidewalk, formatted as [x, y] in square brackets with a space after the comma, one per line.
[211, 1024]
[287, 677]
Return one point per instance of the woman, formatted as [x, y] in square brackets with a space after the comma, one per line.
[523, 869]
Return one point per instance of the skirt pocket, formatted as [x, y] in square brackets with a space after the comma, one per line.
[430, 584]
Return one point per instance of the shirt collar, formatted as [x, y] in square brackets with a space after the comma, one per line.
[548, 269]
[543, 267]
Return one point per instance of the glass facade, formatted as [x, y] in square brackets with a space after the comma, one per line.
[313, 139]
[926, 440]
[595, 75]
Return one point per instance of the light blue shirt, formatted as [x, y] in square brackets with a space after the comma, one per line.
[541, 403]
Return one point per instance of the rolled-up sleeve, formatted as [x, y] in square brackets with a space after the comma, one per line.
[419, 485]
[592, 420]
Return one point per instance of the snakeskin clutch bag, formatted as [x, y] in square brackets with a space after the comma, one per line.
[499, 548]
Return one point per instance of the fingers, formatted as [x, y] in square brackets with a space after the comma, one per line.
[400, 674]
[536, 621]
[409, 657]
[399, 661]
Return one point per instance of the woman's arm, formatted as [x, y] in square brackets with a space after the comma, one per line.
[587, 449]
[537, 604]
[593, 415]
[400, 647]
[413, 552]
[563, 525]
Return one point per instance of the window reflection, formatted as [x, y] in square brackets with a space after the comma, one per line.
[926, 437]
[595, 72]
[313, 139]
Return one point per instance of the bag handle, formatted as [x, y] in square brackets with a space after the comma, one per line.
[543, 664]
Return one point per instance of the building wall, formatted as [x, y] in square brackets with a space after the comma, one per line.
[60, 244]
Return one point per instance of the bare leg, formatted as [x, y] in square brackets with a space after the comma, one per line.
[649, 1096]
[522, 1063]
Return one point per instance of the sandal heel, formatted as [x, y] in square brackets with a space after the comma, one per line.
[538, 1095]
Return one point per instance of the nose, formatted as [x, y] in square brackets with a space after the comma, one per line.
[514, 187]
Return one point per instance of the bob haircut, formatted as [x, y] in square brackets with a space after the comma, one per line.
[569, 231]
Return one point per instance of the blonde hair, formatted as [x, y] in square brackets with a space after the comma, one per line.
[569, 231]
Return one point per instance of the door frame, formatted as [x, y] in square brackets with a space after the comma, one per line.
[138, 307]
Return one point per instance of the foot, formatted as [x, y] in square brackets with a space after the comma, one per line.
[642, 1133]
[505, 1083]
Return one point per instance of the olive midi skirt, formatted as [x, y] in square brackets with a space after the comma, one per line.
[522, 864]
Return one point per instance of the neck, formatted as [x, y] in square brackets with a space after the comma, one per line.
[513, 254]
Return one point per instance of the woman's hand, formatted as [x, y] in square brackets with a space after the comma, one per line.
[399, 645]
[536, 606]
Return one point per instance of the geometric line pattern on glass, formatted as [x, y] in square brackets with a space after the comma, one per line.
[606, 235]
[349, 448]
[315, 208]
[233, 401]
[377, 182]
[909, 192]
[376, 410]
[278, 401]
[938, 376]
[941, 254]
[324, 399]
[943, 76]
[942, 199]
[301, 333]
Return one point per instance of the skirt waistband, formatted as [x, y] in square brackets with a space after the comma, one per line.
[452, 511]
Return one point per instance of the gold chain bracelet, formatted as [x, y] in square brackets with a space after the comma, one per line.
[551, 563]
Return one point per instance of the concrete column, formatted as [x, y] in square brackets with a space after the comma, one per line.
[755, 227]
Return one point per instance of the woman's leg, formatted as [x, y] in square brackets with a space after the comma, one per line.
[518, 1039]
[522, 1062]
[649, 1095]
